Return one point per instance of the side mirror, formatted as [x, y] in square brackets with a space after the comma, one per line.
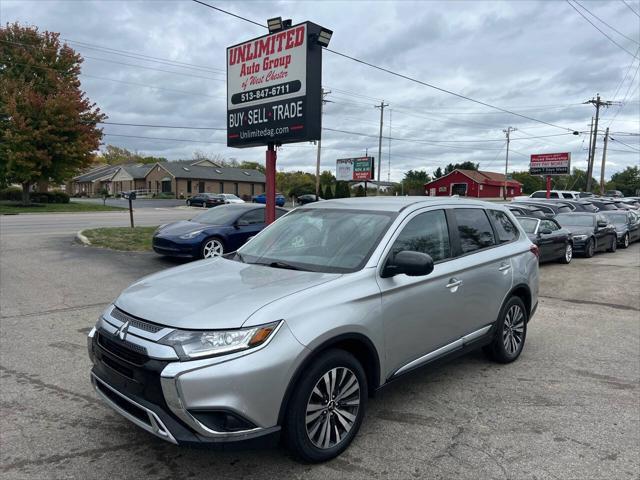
[545, 231]
[413, 264]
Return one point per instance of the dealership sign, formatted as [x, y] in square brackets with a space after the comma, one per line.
[274, 92]
[354, 169]
[550, 164]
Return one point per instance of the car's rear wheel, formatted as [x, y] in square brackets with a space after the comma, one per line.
[511, 332]
[327, 407]
[590, 249]
[212, 247]
[568, 254]
[625, 241]
[613, 246]
[188, 203]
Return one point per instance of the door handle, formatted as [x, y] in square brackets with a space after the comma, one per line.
[454, 283]
[504, 266]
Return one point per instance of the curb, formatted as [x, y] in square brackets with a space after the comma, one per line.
[80, 238]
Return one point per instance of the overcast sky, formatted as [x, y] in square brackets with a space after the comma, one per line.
[540, 59]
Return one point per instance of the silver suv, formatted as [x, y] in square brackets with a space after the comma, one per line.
[296, 330]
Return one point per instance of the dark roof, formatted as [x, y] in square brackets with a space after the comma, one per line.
[97, 173]
[138, 171]
[182, 169]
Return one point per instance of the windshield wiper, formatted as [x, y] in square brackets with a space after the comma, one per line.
[279, 264]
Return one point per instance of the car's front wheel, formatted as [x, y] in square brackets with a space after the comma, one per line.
[510, 334]
[590, 249]
[568, 254]
[212, 247]
[188, 203]
[327, 407]
[613, 246]
[625, 241]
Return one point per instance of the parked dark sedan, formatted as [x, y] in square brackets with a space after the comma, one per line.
[627, 226]
[602, 204]
[550, 209]
[522, 210]
[308, 198]
[212, 233]
[591, 232]
[205, 200]
[553, 241]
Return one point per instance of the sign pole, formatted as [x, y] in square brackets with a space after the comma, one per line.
[548, 186]
[270, 173]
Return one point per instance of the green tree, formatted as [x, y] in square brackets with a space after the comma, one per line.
[462, 166]
[360, 191]
[413, 182]
[342, 190]
[253, 166]
[328, 194]
[438, 173]
[48, 127]
[627, 181]
[530, 183]
[576, 181]
[327, 178]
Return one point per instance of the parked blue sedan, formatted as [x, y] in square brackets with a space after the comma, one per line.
[212, 233]
[262, 198]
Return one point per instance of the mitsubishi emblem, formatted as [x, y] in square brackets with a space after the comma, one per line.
[121, 333]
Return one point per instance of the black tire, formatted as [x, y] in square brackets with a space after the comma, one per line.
[188, 203]
[297, 438]
[501, 349]
[568, 254]
[614, 244]
[625, 241]
[590, 248]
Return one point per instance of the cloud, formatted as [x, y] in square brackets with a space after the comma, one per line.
[538, 58]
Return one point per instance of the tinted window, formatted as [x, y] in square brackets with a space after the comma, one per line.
[280, 212]
[474, 229]
[222, 215]
[254, 216]
[539, 195]
[567, 195]
[426, 233]
[505, 229]
[548, 225]
[529, 224]
[575, 219]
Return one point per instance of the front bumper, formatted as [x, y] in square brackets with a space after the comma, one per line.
[169, 398]
[173, 248]
[579, 246]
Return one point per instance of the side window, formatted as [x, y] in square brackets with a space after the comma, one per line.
[567, 195]
[280, 213]
[474, 229]
[426, 233]
[539, 195]
[254, 216]
[548, 225]
[554, 195]
[505, 229]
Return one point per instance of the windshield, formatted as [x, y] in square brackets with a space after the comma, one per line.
[575, 220]
[529, 224]
[617, 218]
[321, 240]
[221, 215]
[590, 207]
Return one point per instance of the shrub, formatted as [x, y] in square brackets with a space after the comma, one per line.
[11, 193]
[15, 194]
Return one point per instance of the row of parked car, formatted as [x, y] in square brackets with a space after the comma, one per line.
[562, 227]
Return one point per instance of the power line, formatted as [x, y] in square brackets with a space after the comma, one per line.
[406, 77]
[603, 33]
[602, 21]
[626, 145]
[163, 126]
[629, 7]
[623, 104]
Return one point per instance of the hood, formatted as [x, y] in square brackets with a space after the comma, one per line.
[182, 227]
[578, 230]
[213, 294]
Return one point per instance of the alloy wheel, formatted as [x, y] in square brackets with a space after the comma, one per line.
[213, 248]
[332, 407]
[568, 253]
[592, 248]
[513, 329]
[626, 240]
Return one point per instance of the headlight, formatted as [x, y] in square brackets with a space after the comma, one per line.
[197, 344]
[580, 237]
[189, 235]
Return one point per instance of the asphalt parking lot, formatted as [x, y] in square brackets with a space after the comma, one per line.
[568, 408]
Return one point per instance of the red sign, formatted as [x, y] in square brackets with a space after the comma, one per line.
[550, 164]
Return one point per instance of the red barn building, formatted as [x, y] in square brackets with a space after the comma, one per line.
[472, 183]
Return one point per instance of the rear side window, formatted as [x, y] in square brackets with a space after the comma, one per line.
[567, 195]
[474, 229]
[504, 228]
[539, 195]
[425, 233]
[254, 216]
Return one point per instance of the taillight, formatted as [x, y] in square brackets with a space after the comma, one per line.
[535, 250]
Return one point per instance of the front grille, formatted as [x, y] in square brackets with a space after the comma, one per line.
[134, 322]
[127, 351]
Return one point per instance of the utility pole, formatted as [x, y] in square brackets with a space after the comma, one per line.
[590, 142]
[381, 107]
[324, 94]
[507, 131]
[597, 102]
[389, 169]
[604, 159]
